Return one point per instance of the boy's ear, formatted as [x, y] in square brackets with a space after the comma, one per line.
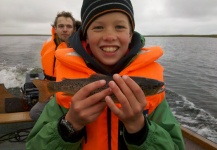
[87, 40]
[131, 36]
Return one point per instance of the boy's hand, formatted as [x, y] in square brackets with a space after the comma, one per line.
[84, 108]
[132, 100]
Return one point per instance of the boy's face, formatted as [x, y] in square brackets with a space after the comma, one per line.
[108, 37]
[64, 28]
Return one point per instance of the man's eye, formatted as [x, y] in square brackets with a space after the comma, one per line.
[68, 26]
[60, 26]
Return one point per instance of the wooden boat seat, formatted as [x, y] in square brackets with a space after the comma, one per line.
[17, 117]
[14, 117]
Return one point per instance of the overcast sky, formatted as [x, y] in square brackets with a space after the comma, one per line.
[151, 16]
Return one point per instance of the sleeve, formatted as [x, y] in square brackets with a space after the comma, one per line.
[45, 135]
[164, 131]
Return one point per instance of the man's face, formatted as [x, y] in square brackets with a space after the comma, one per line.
[64, 28]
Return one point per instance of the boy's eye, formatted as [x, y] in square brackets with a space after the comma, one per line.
[120, 27]
[98, 27]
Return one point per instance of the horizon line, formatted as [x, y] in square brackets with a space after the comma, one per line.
[153, 35]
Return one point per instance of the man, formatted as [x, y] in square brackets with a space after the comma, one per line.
[63, 27]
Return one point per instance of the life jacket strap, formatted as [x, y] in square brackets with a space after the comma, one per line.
[49, 77]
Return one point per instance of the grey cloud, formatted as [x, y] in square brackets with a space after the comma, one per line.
[152, 17]
[193, 9]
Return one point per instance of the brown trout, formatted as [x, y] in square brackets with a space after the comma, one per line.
[71, 86]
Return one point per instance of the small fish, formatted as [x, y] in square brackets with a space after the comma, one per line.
[71, 86]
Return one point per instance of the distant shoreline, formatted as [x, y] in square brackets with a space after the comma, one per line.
[177, 35]
[184, 35]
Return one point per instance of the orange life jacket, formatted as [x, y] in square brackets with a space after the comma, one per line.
[71, 65]
[48, 59]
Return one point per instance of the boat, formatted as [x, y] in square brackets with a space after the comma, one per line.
[193, 141]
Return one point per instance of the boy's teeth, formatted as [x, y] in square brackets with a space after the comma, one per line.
[109, 49]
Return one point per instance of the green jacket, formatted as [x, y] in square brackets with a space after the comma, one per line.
[164, 131]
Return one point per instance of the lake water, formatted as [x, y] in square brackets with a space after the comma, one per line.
[190, 74]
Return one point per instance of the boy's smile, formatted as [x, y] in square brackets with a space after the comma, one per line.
[108, 37]
[109, 49]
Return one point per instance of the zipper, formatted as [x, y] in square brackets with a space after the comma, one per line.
[109, 128]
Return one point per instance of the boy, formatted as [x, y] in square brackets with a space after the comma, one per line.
[107, 44]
